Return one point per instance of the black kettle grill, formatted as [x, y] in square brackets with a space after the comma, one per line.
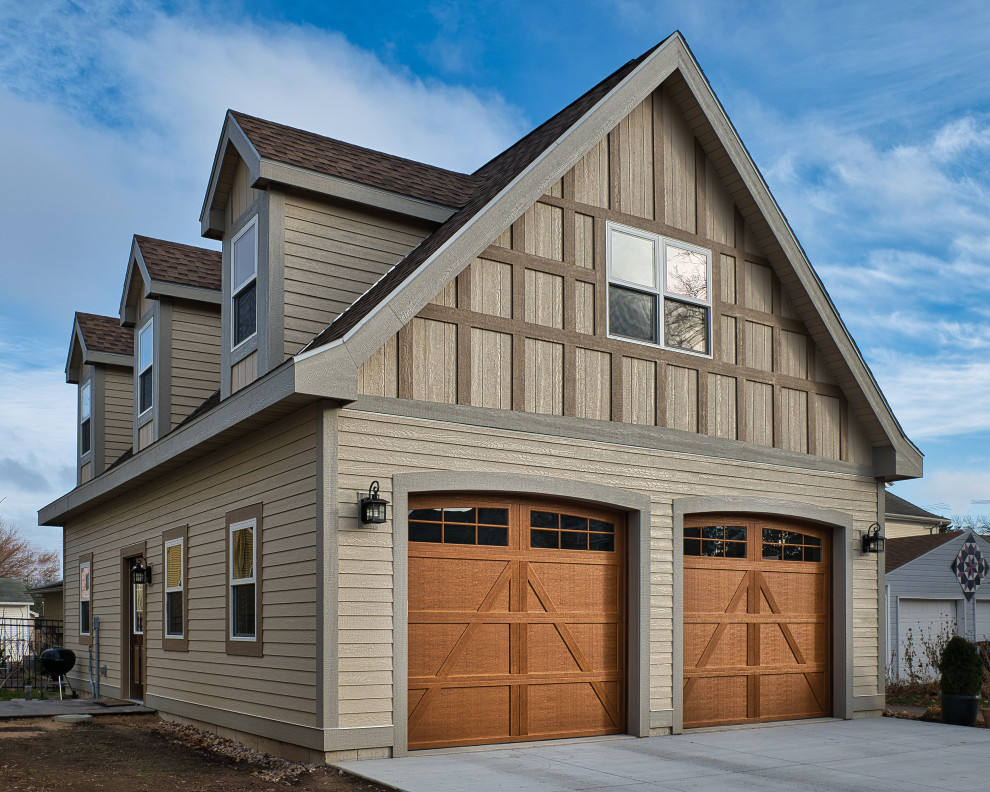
[56, 663]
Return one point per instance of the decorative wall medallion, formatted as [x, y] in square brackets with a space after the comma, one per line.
[970, 567]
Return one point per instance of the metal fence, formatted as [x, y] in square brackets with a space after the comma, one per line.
[21, 643]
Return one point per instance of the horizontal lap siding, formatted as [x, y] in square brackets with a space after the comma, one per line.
[333, 255]
[195, 358]
[377, 446]
[276, 466]
[118, 389]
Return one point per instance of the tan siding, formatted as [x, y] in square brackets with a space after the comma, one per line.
[544, 377]
[491, 369]
[758, 290]
[682, 398]
[504, 239]
[678, 169]
[85, 472]
[146, 435]
[722, 409]
[447, 297]
[584, 307]
[379, 374]
[244, 372]
[584, 240]
[591, 176]
[242, 195]
[593, 389]
[275, 466]
[195, 357]
[544, 299]
[759, 346]
[793, 354]
[727, 342]
[827, 418]
[386, 446]
[794, 420]
[727, 278]
[759, 412]
[118, 412]
[333, 255]
[721, 211]
[434, 362]
[544, 231]
[859, 448]
[491, 288]
[639, 391]
[635, 146]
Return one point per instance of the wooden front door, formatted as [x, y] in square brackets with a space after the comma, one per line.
[756, 620]
[137, 629]
[516, 621]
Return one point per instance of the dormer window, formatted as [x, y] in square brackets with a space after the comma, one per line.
[85, 418]
[146, 361]
[244, 284]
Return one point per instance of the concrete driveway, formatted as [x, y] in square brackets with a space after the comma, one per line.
[872, 755]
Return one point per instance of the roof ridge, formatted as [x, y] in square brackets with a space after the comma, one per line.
[170, 243]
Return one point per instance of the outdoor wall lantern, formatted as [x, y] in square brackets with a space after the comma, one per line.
[141, 573]
[872, 540]
[372, 506]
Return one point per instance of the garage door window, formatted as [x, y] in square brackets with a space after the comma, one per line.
[716, 541]
[460, 525]
[791, 546]
[552, 530]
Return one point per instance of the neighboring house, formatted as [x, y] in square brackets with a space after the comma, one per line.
[906, 519]
[628, 444]
[932, 592]
[15, 620]
[51, 600]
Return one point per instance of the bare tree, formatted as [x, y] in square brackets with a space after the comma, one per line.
[21, 559]
[980, 523]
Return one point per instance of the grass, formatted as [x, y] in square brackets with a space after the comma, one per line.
[7, 695]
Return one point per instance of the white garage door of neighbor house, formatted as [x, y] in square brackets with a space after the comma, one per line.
[925, 619]
[983, 620]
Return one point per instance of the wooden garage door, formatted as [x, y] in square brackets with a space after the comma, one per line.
[516, 621]
[756, 620]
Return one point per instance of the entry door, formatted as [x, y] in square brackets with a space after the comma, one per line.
[756, 620]
[516, 621]
[137, 627]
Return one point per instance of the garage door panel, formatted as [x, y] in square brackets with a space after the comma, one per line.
[485, 650]
[456, 715]
[715, 700]
[598, 645]
[711, 590]
[578, 704]
[785, 696]
[778, 648]
[574, 587]
[924, 620]
[728, 649]
[430, 645]
[793, 592]
[468, 581]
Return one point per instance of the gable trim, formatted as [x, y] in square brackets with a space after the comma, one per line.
[212, 219]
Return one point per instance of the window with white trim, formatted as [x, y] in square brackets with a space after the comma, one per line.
[174, 588]
[659, 290]
[85, 595]
[146, 367]
[85, 418]
[244, 284]
[243, 580]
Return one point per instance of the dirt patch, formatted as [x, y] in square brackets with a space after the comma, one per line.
[142, 754]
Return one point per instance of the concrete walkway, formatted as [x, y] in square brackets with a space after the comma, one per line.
[870, 755]
[20, 708]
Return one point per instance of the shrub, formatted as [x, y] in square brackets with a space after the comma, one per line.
[961, 667]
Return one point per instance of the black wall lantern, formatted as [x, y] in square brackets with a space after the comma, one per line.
[373, 507]
[872, 540]
[141, 573]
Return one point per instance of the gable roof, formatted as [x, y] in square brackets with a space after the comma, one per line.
[905, 549]
[13, 591]
[97, 339]
[902, 508]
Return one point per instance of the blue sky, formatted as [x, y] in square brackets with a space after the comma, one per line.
[869, 121]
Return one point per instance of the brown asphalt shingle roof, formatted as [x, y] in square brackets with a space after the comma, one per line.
[900, 551]
[492, 179]
[314, 152]
[895, 505]
[186, 265]
[104, 334]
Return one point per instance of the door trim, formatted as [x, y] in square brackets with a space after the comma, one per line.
[126, 555]
[841, 614]
[637, 508]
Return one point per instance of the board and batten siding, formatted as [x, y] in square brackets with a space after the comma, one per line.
[195, 360]
[536, 299]
[118, 412]
[378, 446]
[275, 466]
[333, 255]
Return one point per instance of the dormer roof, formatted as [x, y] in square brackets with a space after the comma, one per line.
[98, 340]
[157, 268]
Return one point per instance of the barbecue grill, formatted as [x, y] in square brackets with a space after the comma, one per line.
[56, 663]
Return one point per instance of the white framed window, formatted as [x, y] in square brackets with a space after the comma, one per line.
[146, 367]
[244, 284]
[175, 585]
[85, 597]
[659, 291]
[85, 418]
[243, 580]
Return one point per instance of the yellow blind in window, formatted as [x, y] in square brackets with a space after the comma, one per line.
[173, 566]
[242, 553]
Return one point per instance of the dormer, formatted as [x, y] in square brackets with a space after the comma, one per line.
[171, 307]
[101, 363]
[308, 224]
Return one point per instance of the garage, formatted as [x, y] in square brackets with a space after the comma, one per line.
[756, 620]
[516, 620]
[923, 623]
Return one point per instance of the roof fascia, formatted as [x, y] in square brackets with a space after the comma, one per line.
[212, 220]
[903, 459]
[95, 357]
[470, 241]
[160, 288]
[73, 373]
[910, 518]
[128, 313]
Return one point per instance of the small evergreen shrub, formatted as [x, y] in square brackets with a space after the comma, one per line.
[961, 667]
